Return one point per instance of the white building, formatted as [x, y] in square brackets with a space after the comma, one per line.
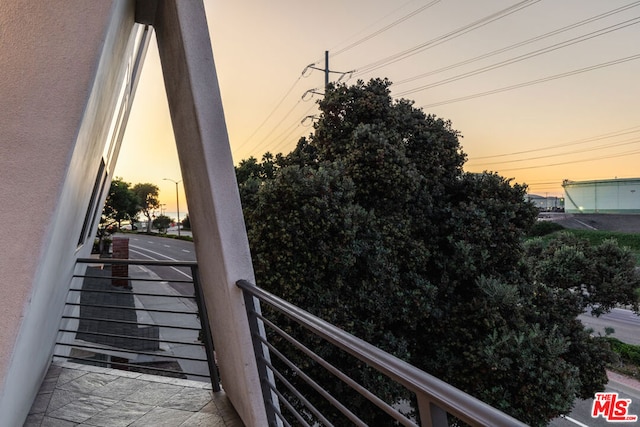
[620, 196]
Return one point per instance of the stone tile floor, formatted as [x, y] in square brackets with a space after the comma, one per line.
[81, 395]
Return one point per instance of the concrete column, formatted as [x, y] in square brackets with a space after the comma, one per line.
[220, 238]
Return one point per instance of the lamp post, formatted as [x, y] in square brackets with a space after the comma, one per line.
[177, 201]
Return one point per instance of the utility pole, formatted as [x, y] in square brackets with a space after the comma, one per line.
[326, 71]
[177, 200]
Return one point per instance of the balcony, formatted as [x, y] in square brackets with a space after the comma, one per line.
[75, 394]
[105, 370]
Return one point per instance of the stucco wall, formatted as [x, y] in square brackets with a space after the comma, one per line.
[60, 64]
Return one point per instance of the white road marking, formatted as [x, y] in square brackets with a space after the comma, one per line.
[184, 250]
[574, 421]
[166, 246]
[586, 225]
[159, 254]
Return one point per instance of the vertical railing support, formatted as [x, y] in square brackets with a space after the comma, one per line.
[257, 330]
[206, 330]
[430, 414]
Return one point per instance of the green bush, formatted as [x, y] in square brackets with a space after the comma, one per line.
[542, 228]
[627, 352]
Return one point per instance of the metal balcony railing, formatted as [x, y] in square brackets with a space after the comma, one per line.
[138, 322]
[293, 397]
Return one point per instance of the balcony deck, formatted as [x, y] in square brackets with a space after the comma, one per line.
[83, 395]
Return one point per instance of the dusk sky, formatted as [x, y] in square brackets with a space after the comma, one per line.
[541, 90]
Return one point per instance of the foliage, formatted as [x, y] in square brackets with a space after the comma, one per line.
[597, 277]
[186, 223]
[627, 352]
[629, 240]
[542, 228]
[372, 224]
[147, 194]
[162, 223]
[121, 203]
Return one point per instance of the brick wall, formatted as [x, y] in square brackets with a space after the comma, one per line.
[120, 251]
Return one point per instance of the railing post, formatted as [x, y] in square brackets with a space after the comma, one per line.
[206, 330]
[430, 414]
[257, 330]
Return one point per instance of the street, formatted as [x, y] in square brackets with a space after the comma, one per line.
[144, 247]
[625, 323]
[581, 414]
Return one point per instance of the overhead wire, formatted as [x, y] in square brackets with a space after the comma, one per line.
[612, 156]
[534, 82]
[529, 55]
[385, 28]
[445, 37]
[273, 110]
[520, 44]
[611, 134]
[583, 150]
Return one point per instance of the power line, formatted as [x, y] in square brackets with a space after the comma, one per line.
[612, 134]
[273, 110]
[584, 150]
[534, 82]
[627, 153]
[520, 44]
[386, 27]
[526, 56]
[446, 37]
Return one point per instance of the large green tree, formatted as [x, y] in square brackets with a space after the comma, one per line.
[121, 203]
[147, 194]
[372, 224]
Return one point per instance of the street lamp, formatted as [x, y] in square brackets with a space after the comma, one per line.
[177, 201]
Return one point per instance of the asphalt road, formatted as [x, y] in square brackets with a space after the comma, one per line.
[146, 247]
[625, 323]
[581, 414]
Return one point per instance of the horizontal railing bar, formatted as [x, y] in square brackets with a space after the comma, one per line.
[122, 307]
[151, 262]
[104, 334]
[134, 365]
[289, 406]
[458, 403]
[292, 389]
[131, 322]
[364, 392]
[136, 293]
[137, 279]
[335, 402]
[146, 353]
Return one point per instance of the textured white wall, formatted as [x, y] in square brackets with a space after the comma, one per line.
[60, 63]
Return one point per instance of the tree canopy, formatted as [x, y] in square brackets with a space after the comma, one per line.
[121, 203]
[372, 224]
[147, 194]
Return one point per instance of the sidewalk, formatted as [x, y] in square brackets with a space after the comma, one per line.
[173, 304]
[630, 385]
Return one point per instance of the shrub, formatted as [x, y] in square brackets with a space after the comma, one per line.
[542, 228]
